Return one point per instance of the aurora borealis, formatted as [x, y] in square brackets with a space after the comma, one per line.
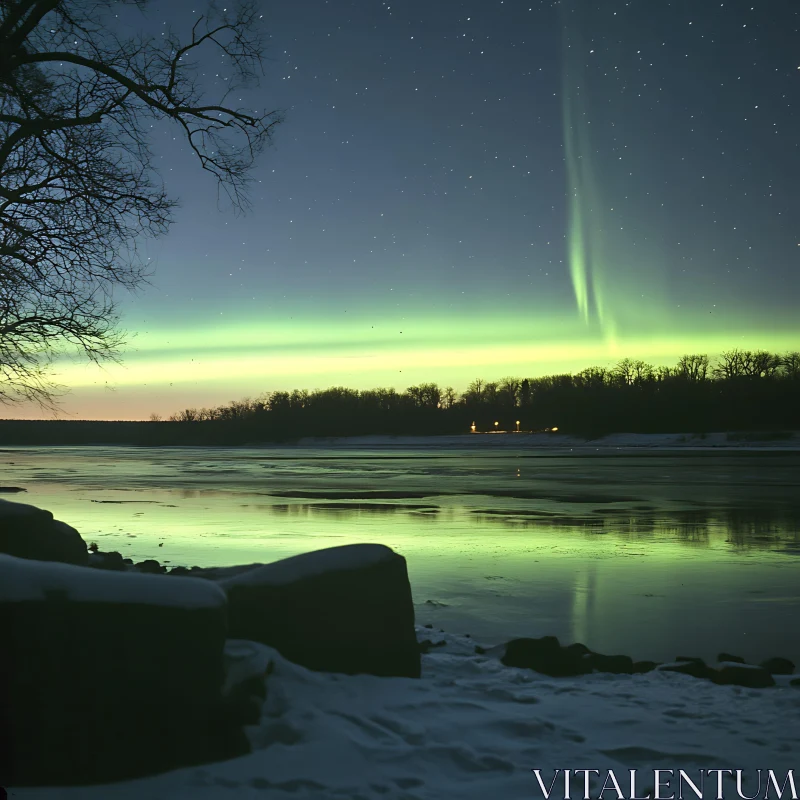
[477, 189]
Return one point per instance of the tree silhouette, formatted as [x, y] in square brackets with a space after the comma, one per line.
[790, 365]
[77, 184]
[693, 367]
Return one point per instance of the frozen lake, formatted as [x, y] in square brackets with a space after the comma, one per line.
[653, 553]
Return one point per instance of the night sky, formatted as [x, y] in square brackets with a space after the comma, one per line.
[478, 189]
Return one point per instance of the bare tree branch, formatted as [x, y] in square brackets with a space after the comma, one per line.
[78, 189]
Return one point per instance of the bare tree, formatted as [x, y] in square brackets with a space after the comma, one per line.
[475, 392]
[632, 372]
[790, 365]
[747, 363]
[187, 415]
[763, 364]
[449, 397]
[595, 377]
[509, 390]
[693, 367]
[77, 184]
[730, 365]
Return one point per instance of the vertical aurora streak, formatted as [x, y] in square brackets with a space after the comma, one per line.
[576, 242]
[585, 225]
[585, 243]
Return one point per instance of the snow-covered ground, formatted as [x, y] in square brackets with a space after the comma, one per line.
[474, 729]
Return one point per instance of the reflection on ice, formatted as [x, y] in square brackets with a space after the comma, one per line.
[640, 553]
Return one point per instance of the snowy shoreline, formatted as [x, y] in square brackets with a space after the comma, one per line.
[732, 441]
[472, 728]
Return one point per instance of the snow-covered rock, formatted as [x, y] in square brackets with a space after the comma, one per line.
[108, 675]
[732, 674]
[778, 666]
[343, 609]
[30, 532]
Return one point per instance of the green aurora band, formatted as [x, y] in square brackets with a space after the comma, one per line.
[619, 279]
[168, 369]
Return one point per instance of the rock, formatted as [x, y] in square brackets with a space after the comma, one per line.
[112, 561]
[578, 648]
[695, 667]
[426, 645]
[545, 655]
[11, 489]
[640, 667]
[734, 674]
[692, 659]
[150, 567]
[107, 676]
[794, 682]
[345, 609]
[242, 703]
[730, 659]
[30, 532]
[620, 665]
[179, 571]
[778, 666]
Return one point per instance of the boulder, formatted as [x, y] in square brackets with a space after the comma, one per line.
[640, 667]
[150, 567]
[695, 667]
[578, 648]
[692, 659]
[112, 561]
[344, 609]
[30, 532]
[426, 645]
[546, 655]
[727, 657]
[107, 676]
[620, 665]
[734, 674]
[778, 666]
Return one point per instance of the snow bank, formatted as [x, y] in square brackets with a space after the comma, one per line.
[472, 729]
[22, 579]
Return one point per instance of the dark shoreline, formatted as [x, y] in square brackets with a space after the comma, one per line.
[540, 444]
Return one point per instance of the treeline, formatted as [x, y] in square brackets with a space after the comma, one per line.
[742, 390]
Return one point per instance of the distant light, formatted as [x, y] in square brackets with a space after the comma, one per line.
[553, 429]
[496, 424]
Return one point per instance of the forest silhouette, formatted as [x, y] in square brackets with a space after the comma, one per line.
[742, 391]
